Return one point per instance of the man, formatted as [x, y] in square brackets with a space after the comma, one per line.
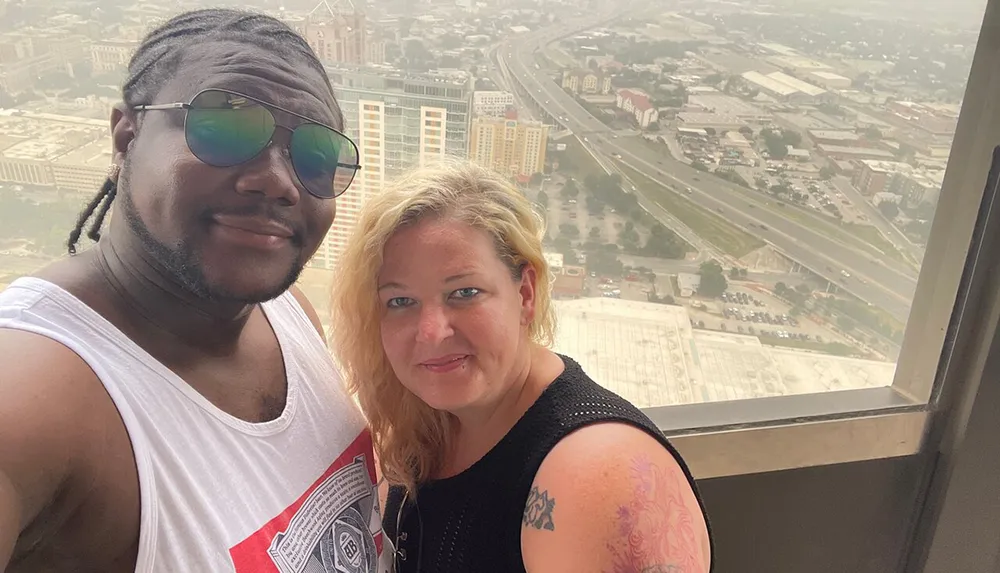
[166, 401]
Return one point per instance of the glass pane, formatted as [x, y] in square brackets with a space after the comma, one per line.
[738, 196]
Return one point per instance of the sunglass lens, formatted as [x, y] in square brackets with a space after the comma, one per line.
[224, 129]
[324, 160]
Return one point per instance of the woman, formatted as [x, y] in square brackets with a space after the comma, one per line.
[501, 455]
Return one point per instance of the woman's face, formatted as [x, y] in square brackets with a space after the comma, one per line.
[454, 321]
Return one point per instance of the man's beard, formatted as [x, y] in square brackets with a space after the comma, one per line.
[182, 263]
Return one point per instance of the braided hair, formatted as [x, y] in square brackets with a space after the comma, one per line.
[156, 60]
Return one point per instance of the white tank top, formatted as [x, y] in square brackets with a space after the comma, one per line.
[292, 495]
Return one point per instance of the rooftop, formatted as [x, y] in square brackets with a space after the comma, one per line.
[649, 354]
[834, 135]
[799, 85]
[887, 166]
[858, 151]
[709, 119]
[95, 154]
[727, 105]
[46, 139]
[830, 76]
[769, 83]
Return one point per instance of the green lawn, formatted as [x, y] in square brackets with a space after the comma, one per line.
[714, 229]
[578, 161]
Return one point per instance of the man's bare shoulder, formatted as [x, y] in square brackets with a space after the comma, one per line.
[51, 405]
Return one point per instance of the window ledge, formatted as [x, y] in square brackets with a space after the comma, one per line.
[789, 432]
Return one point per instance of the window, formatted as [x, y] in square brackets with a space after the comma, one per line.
[774, 231]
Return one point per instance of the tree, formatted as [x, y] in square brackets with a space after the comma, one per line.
[568, 230]
[605, 263]
[792, 138]
[805, 289]
[871, 132]
[536, 178]
[451, 42]
[776, 146]
[569, 190]
[699, 165]
[663, 243]
[827, 172]
[734, 273]
[780, 288]
[595, 232]
[888, 209]
[713, 280]
[543, 199]
[653, 126]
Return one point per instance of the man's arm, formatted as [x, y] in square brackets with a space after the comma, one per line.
[611, 499]
[10, 520]
[46, 396]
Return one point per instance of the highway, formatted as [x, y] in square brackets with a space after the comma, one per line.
[873, 277]
[890, 231]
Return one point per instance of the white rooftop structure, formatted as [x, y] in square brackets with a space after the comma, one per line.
[799, 85]
[649, 354]
[769, 84]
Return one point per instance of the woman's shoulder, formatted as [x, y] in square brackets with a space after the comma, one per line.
[606, 484]
[576, 400]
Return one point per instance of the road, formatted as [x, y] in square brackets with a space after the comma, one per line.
[877, 279]
[895, 236]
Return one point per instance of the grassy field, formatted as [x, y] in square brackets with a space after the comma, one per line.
[848, 233]
[710, 227]
[578, 161]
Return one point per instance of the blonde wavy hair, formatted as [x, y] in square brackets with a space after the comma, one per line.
[410, 437]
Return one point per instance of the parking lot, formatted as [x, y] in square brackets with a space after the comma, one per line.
[745, 311]
[561, 212]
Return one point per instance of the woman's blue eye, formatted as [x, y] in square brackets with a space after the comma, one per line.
[468, 292]
[398, 302]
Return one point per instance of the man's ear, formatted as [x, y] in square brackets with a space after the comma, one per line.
[123, 130]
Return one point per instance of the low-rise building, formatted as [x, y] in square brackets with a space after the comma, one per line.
[637, 103]
[830, 80]
[492, 103]
[583, 81]
[729, 106]
[874, 177]
[854, 153]
[714, 121]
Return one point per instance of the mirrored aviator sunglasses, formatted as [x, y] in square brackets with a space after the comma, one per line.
[224, 129]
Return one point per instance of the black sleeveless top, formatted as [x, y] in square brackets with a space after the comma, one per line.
[471, 522]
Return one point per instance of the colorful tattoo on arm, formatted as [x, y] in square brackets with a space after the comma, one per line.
[656, 531]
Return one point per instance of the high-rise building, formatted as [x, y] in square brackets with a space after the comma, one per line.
[399, 121]
[508, 146]
[337, 32]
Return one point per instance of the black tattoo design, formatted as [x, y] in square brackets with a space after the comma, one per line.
[538, 511]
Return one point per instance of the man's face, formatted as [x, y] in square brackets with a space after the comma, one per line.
[239, 233]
